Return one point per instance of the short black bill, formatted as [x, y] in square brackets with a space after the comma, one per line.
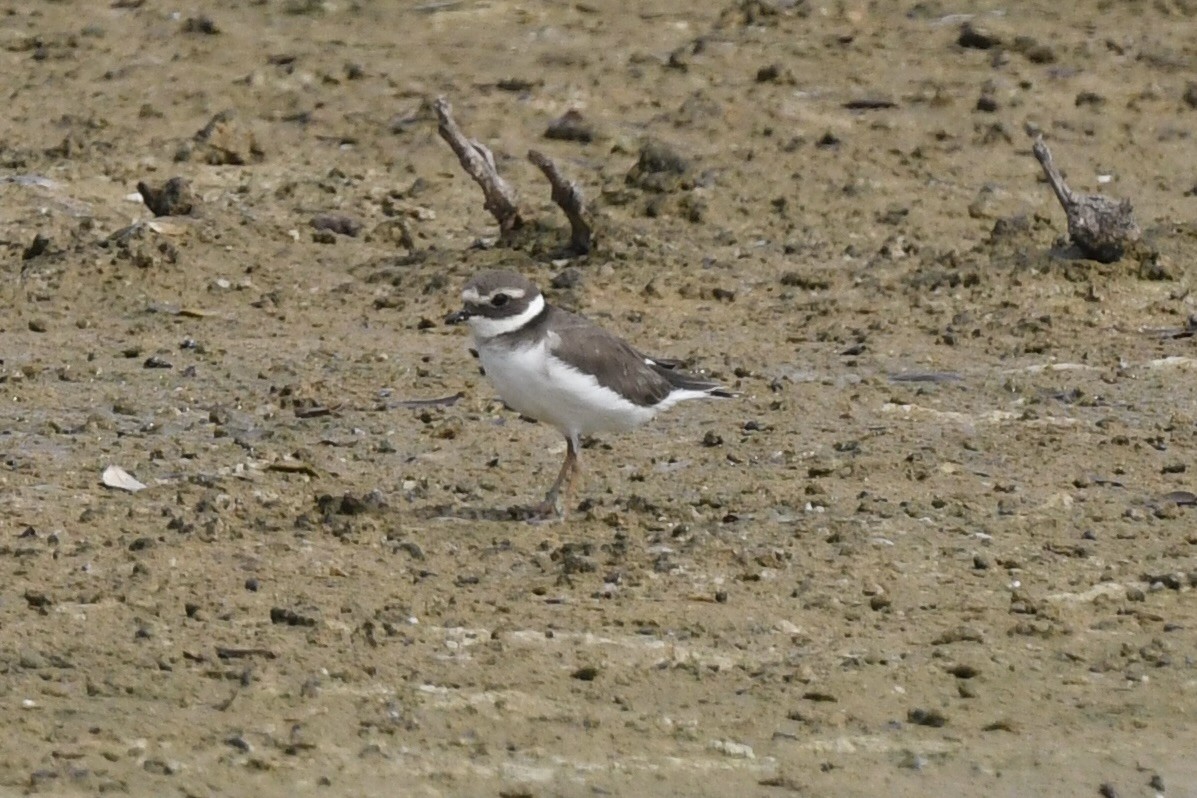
[457, 317]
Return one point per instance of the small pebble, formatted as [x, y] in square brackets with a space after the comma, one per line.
[202, 24]
[768, 73]
[587, 673]
[569, 277]
[963, 671]
[926, 717]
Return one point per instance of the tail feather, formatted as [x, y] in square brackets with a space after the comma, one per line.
[685, 381]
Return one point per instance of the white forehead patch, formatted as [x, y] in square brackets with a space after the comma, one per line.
[470, 296]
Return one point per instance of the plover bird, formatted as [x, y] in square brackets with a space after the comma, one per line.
[562, 369]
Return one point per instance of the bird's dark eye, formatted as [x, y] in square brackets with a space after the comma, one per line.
[499, 300]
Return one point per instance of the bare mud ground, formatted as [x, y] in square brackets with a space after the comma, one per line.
[940, 545]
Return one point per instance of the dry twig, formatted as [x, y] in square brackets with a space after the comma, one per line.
[479, 163]
[568, 197]
[1100, 227]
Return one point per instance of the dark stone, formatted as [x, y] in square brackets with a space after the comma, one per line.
[926, 717]
[571, 126]
[337, 223]
[975, 37]
[172, 198]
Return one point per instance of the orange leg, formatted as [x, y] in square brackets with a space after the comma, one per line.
[553, 503]
[568, 492]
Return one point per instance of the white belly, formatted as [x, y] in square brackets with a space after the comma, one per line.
[540, 386]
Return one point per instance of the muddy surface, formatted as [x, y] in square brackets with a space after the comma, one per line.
[941, 544]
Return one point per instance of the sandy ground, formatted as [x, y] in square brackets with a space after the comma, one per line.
[940, 545]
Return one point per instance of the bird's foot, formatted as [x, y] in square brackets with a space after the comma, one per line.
[551, 509]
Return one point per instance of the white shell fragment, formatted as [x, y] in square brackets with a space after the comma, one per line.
[119, 478]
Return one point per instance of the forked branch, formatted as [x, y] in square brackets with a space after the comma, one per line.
[479, 163]
[1100, 227]
[568, 197]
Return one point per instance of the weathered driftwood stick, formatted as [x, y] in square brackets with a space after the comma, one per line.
[568, 197]
[1100, 227]
[479, 164]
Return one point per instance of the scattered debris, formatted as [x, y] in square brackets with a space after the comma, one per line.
[242, 653]
[286, 616]
[926, 376]
[293, 467]
[222, 142]
[518, 84]
[174, 310]
[870, 104]
[443, 401]
[146, 244]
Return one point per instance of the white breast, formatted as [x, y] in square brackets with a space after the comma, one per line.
[535, 383]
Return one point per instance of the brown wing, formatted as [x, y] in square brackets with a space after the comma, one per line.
[614, 362]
